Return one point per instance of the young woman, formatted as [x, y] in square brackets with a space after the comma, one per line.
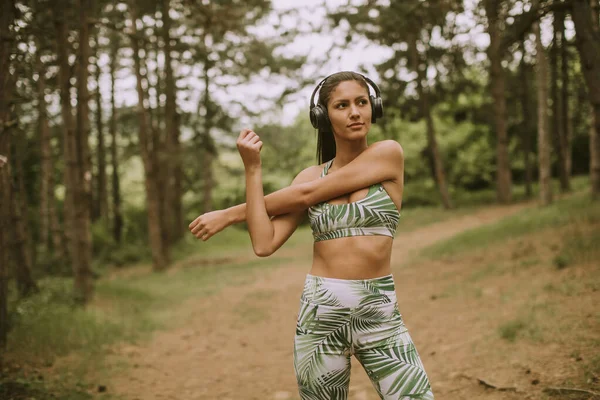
[348, 306]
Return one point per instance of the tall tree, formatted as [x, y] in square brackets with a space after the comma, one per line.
[587, 41]
[83, 273]
[64, 76]
[566, 90]
[51, 232]
[208, 144]
[225, 54]
[101, 196]
[117, 218]
[46, 187]
[76, 150]
[7, 17]
[407, 27]
[18, 227]
[497, 83]
[160, 258]
[424, 100]
[174, 215]
[526, 121]
[556, 82]
[543, 133]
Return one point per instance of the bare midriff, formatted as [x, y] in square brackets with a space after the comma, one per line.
[354, 257]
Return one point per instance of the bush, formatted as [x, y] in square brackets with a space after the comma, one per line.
[49, 323]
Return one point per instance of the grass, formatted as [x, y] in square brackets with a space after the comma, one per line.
[577, 208]
[540, 267]
[48, 325]
[579, 247]
[131, 308]
[509, 330]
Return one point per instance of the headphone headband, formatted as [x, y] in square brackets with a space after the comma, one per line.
[318, 112]
[369, 82]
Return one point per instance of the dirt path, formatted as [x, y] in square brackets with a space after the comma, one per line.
[238, 343]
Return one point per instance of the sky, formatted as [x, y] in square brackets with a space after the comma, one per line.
[313, 45]
[360, 54]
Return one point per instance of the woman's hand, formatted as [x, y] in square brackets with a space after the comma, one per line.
[209, 224]
[249, 145]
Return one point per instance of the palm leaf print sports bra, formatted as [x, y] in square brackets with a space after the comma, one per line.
[376, 214]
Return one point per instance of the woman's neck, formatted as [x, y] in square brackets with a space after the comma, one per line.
[348, 151]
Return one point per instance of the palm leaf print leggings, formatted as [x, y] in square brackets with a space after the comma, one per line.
[339, 318]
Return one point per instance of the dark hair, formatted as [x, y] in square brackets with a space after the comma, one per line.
[325, 138]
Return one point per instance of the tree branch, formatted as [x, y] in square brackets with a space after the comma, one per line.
[524, 21]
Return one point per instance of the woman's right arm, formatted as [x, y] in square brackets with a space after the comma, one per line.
[283, 226]
[380, 162]
[209, 224]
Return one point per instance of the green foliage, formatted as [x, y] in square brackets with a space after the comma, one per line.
[579, 246]
[17, 389]
[561, 212]
[49, 324]
[465, 148]
[509, 330]
[134, 244]
[287, 150]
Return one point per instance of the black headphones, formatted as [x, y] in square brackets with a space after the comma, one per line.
[318, 112]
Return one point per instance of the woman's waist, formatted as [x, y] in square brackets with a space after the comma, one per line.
[366, 253]
[372, 248]
[338, 293]
[350, 263]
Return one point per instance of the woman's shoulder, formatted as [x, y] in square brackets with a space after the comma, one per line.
[388, 145]
[309, 173]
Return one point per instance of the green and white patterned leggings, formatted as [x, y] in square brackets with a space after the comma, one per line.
[339, 318]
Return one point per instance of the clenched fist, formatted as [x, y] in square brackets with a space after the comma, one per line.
[249, 145]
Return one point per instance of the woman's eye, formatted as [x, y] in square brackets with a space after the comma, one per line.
[364, 101]
[340, 105]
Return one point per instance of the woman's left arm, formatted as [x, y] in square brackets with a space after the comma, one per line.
[260, 226]
[380, 162]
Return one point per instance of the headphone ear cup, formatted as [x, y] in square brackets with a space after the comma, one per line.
[318, 117]
[376, 108]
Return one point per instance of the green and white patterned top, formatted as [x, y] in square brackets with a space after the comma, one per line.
[376, 214]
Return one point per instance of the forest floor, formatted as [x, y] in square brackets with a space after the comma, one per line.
[498, 322]
[501, 302]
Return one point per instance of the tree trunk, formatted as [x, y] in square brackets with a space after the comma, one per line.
[559, 134]
[543, 134]
[117, 220]
[5, 200]
[587, 40]
[101, 195]
[209, 150]
[51, 235]
[438, 166]
[82, 262]
[45, 155]
[157, 144]
[64, 76]
[159, 250]
[526, 125]
[594, 155]
[503, 173]
[174, 217]
[5, 186]
[7, 16]
[178, 222]
[595, 6]
[566, 114]
[18, 226]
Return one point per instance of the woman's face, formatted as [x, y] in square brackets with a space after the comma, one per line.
[349, 110]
